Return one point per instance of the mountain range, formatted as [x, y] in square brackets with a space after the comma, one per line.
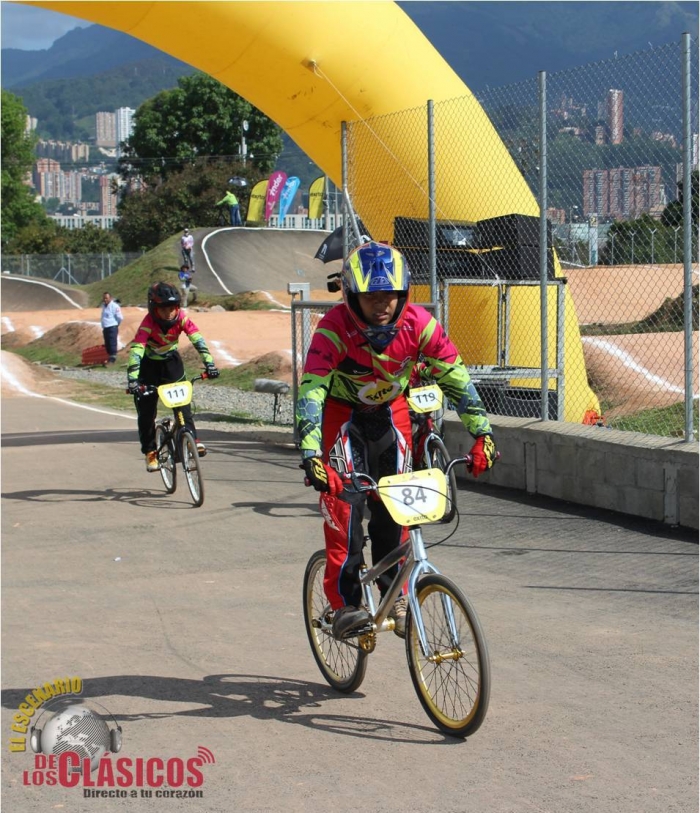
[486, 43]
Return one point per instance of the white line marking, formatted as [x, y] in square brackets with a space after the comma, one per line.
[206, 257]
[222, 352]
[14, 383]
[52, 287]
[7, 322]
[631, 364]
[37, 331]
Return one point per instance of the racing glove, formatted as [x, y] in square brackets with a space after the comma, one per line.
[212, 370]
[134, 386]
[322, 477]
[483, 454]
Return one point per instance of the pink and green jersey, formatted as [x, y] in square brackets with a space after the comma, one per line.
[342, 365]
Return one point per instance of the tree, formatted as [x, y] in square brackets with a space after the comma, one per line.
[18, 205]
[199, 118]
[184, 199]
[91, 239]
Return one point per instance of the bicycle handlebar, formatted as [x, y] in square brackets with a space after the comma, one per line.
[371, 485]
[152, 389]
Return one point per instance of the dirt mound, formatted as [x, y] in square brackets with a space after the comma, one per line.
[271, 365]
[21, 378]
[17, 338]
[71, 337]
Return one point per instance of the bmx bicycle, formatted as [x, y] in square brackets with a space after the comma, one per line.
[175, 443]
[445, 644]
[429, 451]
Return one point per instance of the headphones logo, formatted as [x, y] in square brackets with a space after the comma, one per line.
[76, 727]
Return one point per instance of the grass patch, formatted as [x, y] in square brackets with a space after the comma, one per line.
[87, 392]
[47, 355]
[663, 421]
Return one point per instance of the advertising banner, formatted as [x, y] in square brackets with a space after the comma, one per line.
[316, 198]
[256, 206]
[287, 196]
[275, 185]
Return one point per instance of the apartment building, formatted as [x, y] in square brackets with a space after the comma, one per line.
[105, 129]
[64, 151]
[615, 115]
[51, 181]
[124, 125]
[623, 193]
[108, 198]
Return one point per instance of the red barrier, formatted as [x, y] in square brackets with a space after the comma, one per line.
[95, 355]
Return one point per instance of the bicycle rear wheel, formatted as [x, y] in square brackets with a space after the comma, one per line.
[453, 683]
[342, 663]
[193, 472]
[166, 459]
[440, 457]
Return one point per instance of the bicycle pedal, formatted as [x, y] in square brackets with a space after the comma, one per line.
[357, 632]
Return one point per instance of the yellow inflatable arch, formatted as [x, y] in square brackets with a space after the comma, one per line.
[309, 66]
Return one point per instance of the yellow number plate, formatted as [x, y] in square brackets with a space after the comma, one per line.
[415, 498]
[175, 395]
[425, 399]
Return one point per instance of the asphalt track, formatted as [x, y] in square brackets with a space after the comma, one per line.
[24, 294]
[186, 624]
[237, 259]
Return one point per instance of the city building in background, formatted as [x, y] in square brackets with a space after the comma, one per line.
[124, 125]
[108, 197]
[615, 115]
[65, 151]
[105, 129]
[51, 181]
[624, 192]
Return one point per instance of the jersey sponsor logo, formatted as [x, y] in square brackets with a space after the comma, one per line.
[379, 392]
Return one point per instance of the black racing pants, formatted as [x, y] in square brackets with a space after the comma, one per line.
[158, 371]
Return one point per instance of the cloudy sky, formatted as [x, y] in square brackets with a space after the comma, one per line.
[33, 28]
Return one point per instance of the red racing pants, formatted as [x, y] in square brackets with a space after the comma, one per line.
[375, 442]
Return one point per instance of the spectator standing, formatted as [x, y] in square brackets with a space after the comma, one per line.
[230, 200]
[186, 285]
[187, 245]
[110, 321]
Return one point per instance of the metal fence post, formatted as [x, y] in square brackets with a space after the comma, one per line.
[432, 247]
[544, 345]
[687, 241]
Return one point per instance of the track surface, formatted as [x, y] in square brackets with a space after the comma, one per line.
[242, 259]
[187, 625]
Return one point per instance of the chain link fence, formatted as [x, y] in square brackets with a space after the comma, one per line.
[71, 269]
[602, 147]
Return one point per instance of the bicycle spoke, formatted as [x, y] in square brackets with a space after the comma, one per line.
[453, 680]
[342, 663]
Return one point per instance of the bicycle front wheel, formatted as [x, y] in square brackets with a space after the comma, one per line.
[193, 472]
[342, 663]
[440, 457]
[454, 682]
[166, 459]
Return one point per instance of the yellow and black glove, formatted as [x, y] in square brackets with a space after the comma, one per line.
[322, 477]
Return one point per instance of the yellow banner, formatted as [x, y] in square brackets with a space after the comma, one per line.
[256, 207]
[316, 191]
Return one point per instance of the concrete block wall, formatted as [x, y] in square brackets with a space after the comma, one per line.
[642, 475]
